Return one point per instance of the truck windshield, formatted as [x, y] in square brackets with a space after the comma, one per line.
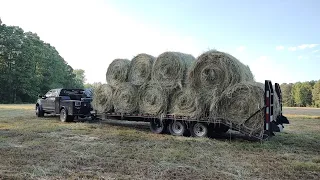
[75, 94]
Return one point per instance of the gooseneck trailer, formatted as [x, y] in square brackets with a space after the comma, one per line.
[184, 125]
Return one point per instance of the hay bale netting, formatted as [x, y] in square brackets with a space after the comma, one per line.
[153, 99]
[118, 72]
[102, 100]
[238, 102]
[214, 71]
[170, 69]
[140, 69]
[125, 98]
[186, 102]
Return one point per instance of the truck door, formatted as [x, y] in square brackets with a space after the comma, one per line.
[51, 101]
[44, 102]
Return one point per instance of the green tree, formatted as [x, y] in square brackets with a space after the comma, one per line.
[93, 85]
[287, 97]
[80, 78]
[316, 94]
[29, 66]
[302, 94]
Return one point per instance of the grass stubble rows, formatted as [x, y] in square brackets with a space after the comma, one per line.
[44, 148]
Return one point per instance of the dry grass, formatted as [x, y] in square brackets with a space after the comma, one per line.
[33, 148]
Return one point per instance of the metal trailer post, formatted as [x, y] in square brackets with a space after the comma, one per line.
[279, 93]
[269, 108]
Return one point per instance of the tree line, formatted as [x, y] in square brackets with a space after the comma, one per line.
[301, 94]
[29, 66]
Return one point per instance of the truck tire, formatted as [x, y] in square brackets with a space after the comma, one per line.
[64, 117]
[157, 126]
[177, 128]
[39, 111]
[199, 129]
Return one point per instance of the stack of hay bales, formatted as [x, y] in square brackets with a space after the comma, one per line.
[215, 85]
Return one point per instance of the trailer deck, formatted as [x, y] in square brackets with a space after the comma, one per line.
[201, 127]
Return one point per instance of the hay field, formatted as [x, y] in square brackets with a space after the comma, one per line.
[33, 148]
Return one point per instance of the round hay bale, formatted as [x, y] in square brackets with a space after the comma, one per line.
[186, 102]
[170, 69]
[102, 98]
[118, 71]
[140, 69]
[238, 102]
[125, 98]
[214, 71]
[153, 99]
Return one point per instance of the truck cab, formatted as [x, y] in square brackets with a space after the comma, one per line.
[68, 103]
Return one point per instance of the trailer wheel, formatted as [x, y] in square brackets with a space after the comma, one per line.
[177, 128]
[199, 129]
[157, 126]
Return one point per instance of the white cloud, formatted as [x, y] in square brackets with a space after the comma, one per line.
[316, 51]
[241, 49]
[292, 48]
[303, 57]
[260, 68]
[279, 48]
[302, 47]
[313, 45]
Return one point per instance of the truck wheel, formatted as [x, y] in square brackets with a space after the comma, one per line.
[39, 111]
[157, 126]
[64, 115]
[177, 128]
[199, 129]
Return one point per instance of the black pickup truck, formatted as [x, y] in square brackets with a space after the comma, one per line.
[68, 103]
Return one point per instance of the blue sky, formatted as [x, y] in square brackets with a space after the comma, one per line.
[279, 40]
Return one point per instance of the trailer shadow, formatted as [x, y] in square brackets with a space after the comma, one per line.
[145, 126]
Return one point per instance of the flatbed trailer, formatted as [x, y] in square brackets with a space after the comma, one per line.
[184, 125]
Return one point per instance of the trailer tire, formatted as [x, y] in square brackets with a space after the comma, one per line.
[199, 129]
[177, 128]
[157, 126]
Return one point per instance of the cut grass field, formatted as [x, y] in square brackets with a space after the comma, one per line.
[45, 148]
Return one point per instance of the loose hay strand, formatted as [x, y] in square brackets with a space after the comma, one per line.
[102, 98]
[117, 72]
[140, 69]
